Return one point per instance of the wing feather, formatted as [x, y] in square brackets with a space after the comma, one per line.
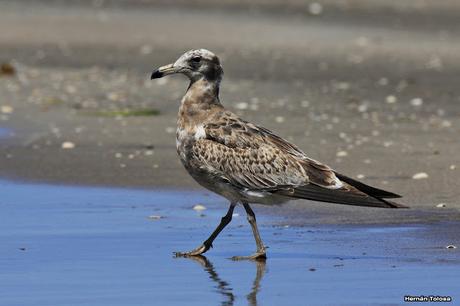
[252, 157]
[254, 169]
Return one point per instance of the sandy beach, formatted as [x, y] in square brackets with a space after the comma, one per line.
[371, 90]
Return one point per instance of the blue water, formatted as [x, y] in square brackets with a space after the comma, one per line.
[4, 132]
[96, 246]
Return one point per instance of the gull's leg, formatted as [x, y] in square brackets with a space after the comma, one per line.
[260, 253]
[208, 243]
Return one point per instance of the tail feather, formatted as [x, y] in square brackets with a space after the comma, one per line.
[372, 191]
[347, 196]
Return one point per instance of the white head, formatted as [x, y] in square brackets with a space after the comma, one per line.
[195, 64]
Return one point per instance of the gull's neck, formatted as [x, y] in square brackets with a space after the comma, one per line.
[199, 102]
[203, 89]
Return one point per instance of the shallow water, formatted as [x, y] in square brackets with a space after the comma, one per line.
[63, 245]
[4, 132]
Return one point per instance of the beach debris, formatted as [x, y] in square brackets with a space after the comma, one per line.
[341, 154]
[451, 246]
[6, 109]
[391, 99]
[360, 176]
[7, 69]
[199, 207]
[416, 102]
[452, 167]
[155, 217]
[362, 108]
[235, 215]
[446, 124]
[420, 176]
[279, 119]
[315, 8]
[387, 143]
[22, 249]
[312, 269]
[118, 155]
[441, 205]
[67, 145]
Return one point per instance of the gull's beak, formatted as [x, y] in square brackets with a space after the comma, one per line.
[164, 70]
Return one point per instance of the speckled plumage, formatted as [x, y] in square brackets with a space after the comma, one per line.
[247, 163]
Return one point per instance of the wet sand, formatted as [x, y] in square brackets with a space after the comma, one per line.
[106, 246]
[370, 90]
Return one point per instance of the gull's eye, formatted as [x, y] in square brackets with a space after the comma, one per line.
[196, 59]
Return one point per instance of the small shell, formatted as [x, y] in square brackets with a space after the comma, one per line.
[199, 207]
[420, 176]
[154, 217]
[68, 145]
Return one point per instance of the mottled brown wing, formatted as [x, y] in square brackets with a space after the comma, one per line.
[253, 157]
[265, 160]
[233, 132]
[262, 168]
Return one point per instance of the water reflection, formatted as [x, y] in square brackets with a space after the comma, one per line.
[224, 288]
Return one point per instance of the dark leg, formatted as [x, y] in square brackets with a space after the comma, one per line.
[208, 243]
[260, 253]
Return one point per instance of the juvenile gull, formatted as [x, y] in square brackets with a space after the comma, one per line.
[247, 163]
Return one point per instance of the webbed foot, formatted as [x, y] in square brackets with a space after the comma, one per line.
[196, 252]
[259, 255]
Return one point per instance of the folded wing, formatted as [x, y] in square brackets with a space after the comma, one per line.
[253, 158]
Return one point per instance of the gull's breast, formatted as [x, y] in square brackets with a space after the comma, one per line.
[185, 137]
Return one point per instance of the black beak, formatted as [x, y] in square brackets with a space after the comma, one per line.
[156, 74]
[163, 70]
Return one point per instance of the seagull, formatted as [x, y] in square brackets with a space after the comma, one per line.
[247, 163]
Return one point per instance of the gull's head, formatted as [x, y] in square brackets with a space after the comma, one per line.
[195, 64]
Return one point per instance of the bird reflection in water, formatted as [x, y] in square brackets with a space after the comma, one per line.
[224, 288]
